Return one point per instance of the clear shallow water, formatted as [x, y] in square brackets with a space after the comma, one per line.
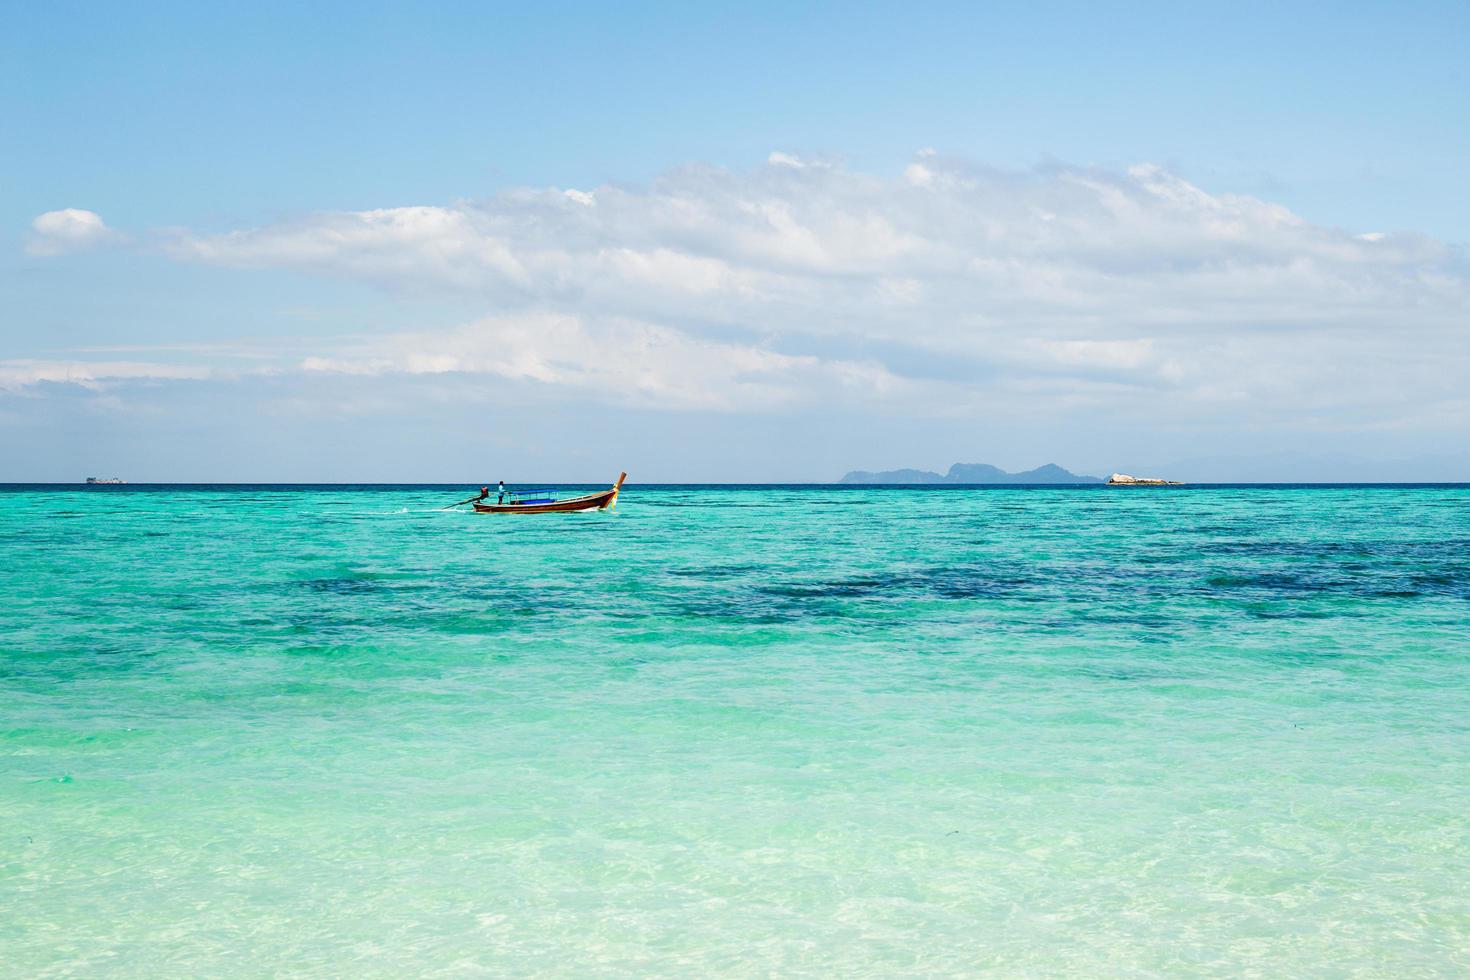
[794, 731]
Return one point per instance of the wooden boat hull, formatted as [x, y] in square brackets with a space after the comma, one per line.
[592, 501]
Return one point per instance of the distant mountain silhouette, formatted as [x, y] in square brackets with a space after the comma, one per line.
[971, 473]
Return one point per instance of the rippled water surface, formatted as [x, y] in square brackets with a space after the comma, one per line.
[741, 731]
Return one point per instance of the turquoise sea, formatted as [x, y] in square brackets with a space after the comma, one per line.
[754, 731]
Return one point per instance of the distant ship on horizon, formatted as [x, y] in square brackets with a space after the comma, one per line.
[102, 479]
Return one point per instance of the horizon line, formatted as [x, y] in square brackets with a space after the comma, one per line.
[767, 483]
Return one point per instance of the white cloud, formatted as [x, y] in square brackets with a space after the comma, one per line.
[424, 244]
[1058, 249]
[950, 288]
[17, 374]
[67, 230]
[622, 361]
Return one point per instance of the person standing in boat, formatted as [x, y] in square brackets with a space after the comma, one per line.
[501, 498]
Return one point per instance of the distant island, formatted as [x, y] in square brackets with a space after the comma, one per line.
[971, 473]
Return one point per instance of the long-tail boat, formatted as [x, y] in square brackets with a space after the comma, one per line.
[542, 501]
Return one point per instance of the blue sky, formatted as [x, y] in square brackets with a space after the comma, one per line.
[231, 149]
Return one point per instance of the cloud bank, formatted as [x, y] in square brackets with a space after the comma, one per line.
[950, 289]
